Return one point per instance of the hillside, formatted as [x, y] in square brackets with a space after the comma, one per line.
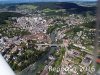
[70, 7]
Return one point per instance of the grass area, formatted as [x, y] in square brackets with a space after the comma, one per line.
[54, 12]
[40, 68]
[30, 7]
[82, 54]
[89, 50]
[48, 10]
[71, 46]
[77, 60]
[97, 66]
[58, 61]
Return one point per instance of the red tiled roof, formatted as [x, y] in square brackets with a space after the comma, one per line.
[98, 60]
[38, 36]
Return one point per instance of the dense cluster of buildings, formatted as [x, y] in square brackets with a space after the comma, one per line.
[32, 24]
[38, 27]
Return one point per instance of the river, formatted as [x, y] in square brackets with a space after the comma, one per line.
[33, 69]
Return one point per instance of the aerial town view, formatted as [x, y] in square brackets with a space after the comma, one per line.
[48, 38]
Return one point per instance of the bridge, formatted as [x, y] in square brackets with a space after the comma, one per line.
[57, 45]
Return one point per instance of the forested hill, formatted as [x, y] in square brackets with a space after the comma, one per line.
[70, 7]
